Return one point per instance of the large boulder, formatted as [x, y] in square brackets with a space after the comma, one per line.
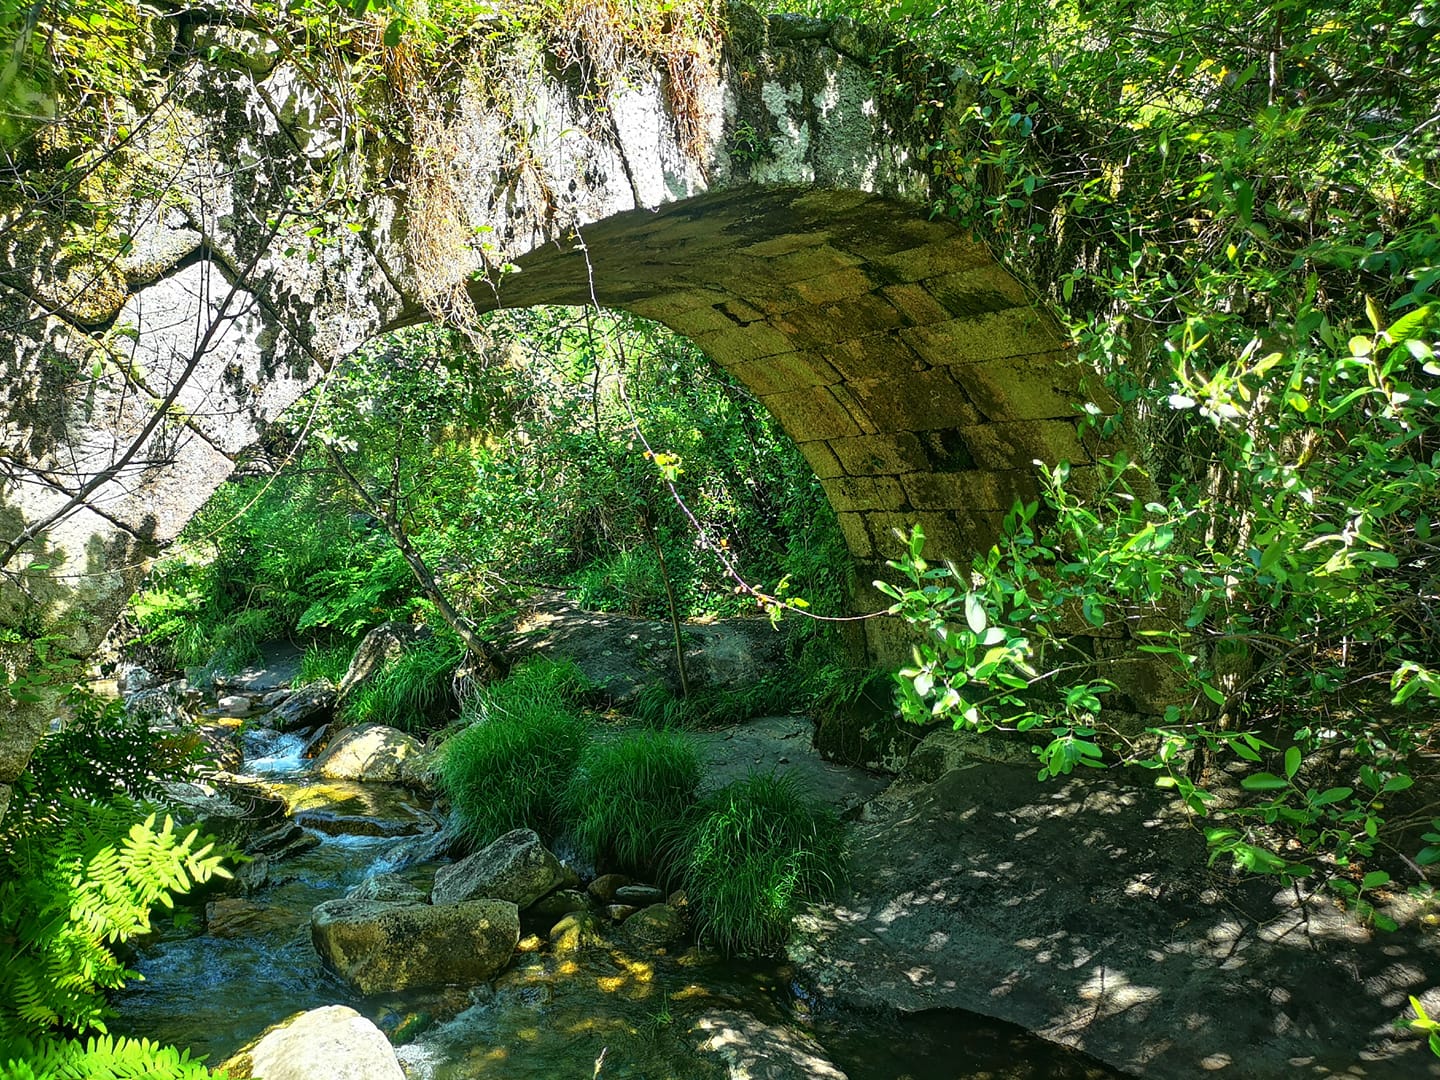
[305, 707]
[379, 947]
[372, 753]
[516, 867]
[622, 655]
[332, 1043]
[1084, 910]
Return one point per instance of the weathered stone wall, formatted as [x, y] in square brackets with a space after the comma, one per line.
[780, 222]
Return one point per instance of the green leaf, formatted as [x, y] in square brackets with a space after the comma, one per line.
[1374, 879]
[1292, 762]
[393, 31]
[1332, 795]
[1264, 781]
[1210, 692]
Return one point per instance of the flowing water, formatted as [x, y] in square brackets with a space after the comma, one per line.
[214, 987]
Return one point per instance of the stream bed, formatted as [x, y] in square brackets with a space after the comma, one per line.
[213, 984]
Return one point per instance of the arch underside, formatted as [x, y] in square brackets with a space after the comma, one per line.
[917, 376]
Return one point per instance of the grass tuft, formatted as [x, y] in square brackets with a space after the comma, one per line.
[627, 795]
[411, 691]
[508, 769]
[325, 662]
[751, 853]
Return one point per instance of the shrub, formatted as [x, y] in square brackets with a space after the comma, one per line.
[79, 873]
[750, 854]
[411, 689]
[509, 767]
[627, 794]
[537, 679]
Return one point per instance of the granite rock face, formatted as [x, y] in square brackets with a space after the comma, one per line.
[1083, 910]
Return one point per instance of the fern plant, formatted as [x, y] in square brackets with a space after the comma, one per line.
[100, 1057]
[72, 892]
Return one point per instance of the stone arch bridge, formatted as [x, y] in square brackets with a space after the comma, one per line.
[775, 213]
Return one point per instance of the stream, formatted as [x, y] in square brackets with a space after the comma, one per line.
[214, 984]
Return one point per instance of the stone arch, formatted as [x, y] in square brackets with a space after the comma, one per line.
[777, 216]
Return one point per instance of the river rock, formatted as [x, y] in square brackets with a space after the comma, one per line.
[235, 705]
[234, 917]
[331, 1043]
[560, 903]
[639, 895]
[160, 707]
[347, 808]
[604, 887]
[391, 888]
[656, 926]
[516, 867]
[620, 912]
[754, 1050]
[379, 947]
[282, 842]
[370, 753]
[576, 931]
[305, 707]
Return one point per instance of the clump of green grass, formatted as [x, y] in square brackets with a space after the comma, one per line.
[411, 691]
[657, 707]
[509, 767]
[537, 679]
[626, 795]
[751, 854]
[325, 662]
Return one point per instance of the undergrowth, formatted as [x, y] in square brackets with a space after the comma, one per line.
[412, 691]
[749, 856]
[328, 662]
[627, 794]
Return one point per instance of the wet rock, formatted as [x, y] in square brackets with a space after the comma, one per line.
[656, 926]
[235, 705]
[274, 697]
[516, 867]
[577, 931]
[341, 808]
[380, 947]
[560, 903]
[391, 888]
[210, 810]
[234, 917]
[604, 887]
[402, 1026]
[282, 842]
[639, 895]
[620, 912]
[308, 706]
[371, 753]
[756, 1051]
[332, 1043]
